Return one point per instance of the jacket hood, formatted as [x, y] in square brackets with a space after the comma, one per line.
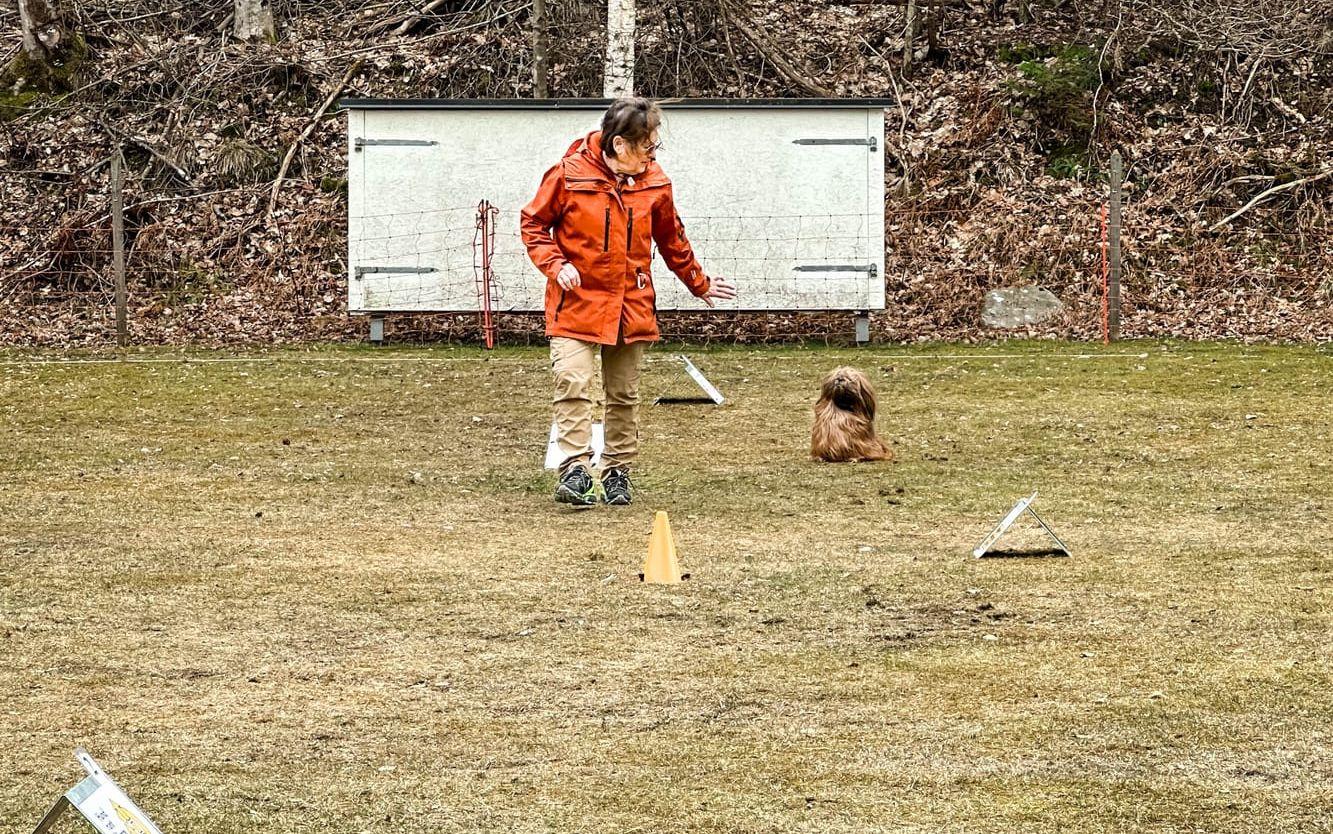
[583, 158]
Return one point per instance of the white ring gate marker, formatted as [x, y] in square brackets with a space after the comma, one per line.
[1023, 505]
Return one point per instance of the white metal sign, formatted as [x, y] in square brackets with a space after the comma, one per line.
[1023, 505]
[711, 394]
[102, 802]
[554, 457]
[702, 381]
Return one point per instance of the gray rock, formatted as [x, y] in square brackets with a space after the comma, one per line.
[1011, 307]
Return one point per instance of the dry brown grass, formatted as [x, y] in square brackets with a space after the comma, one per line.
[452, 652]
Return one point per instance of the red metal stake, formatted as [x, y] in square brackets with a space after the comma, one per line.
[486, 236]
[1106, 268]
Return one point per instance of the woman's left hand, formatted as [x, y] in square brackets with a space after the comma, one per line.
[719, 288]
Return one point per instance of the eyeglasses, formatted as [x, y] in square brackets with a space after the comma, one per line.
[652, 148]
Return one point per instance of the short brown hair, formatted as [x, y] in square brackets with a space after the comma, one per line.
[632, 117]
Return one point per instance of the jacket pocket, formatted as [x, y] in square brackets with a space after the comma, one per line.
[558, 307]
[606, 231]
[629, 233]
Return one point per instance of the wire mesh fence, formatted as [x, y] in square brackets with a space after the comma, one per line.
[799, 276]
[426, 262]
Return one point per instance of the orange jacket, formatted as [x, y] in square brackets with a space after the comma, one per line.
[582, 216]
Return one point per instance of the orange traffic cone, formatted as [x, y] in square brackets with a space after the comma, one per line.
[661, 567]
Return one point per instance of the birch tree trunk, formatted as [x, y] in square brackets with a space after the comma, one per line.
[51, 50]
[253, 20]
[43, 31]
[618, 79]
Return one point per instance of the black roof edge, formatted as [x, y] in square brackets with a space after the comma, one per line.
[601, 103]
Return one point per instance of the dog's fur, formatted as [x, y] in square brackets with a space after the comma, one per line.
[845, 420]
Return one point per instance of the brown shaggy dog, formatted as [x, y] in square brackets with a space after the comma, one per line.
[845, 420]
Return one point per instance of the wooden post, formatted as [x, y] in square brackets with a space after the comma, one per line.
[1113, 314]
[540, 56]
[118, 243]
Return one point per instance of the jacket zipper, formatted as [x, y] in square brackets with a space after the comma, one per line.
[606, 231]
[629, 233]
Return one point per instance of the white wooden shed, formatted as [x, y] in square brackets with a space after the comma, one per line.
[783, 196]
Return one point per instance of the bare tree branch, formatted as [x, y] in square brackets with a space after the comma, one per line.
[774, 57]
[305, 134]
[1277, 189]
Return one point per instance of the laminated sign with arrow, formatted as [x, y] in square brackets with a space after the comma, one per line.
[102, 803]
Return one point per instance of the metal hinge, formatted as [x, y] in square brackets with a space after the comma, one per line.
[408, 143]
[871, 142]
[362, 271]
[870, 269]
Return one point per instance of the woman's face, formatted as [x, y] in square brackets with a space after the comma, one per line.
[632, 159]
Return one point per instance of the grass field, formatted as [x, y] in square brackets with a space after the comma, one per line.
[332, 594]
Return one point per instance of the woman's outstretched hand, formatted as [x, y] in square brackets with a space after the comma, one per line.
[719, 288]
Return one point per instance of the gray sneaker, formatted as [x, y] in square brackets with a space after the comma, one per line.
[616, 487]
[576, 487]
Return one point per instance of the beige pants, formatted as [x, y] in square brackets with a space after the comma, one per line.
[574, 363]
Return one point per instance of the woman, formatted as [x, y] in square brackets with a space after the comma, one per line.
[590, 230]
